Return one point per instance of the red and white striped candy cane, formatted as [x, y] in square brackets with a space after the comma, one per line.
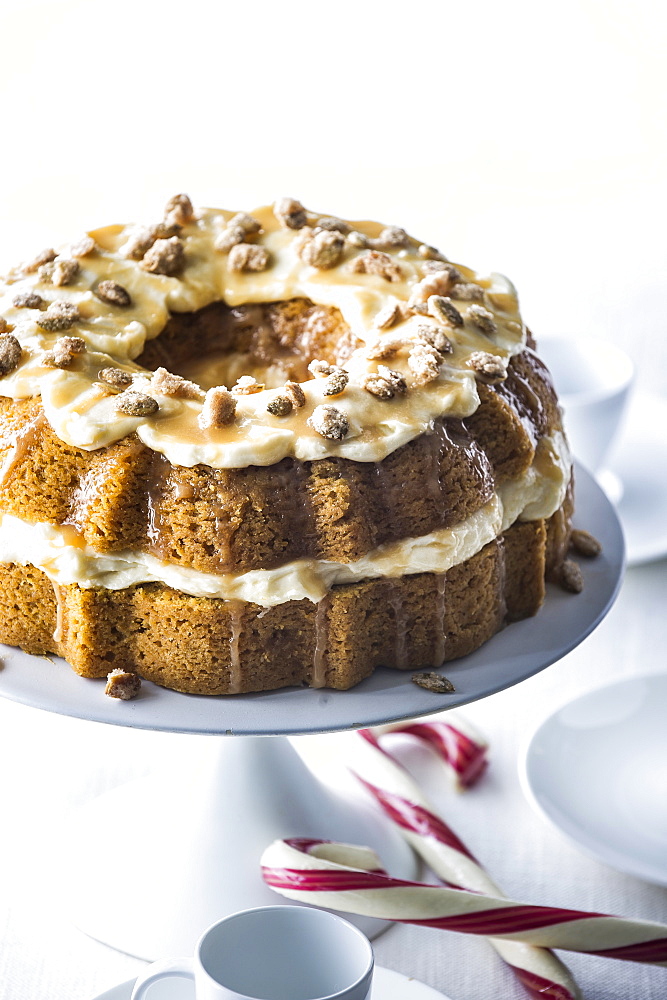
[402, 801]
[348, 878]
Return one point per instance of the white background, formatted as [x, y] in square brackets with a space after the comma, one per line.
[521, 137]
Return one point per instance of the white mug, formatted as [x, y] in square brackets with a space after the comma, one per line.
[274, 953]
[593, 379]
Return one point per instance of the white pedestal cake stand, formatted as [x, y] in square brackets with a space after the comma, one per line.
[193, 843]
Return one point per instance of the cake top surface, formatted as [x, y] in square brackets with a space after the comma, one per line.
[423, 332]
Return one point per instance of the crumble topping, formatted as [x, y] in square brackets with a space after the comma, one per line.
[27, 300]
[248, 257]
[571, 578]
[178, 211]
[60, 315]
[113, 293]
[442, 308]
[219, 408]
[115, 377]
[329, 422]
[483, 319]
[431, 680]
[165, 382]
[165, 256]
[295, 394]
[83, 247]
[488, 367]
[136, 404]
[10, 353]
[377, 262]
[290, 213]
[280, 406]
[322, 249]
[335, 383]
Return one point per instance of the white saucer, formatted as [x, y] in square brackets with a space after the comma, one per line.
[639, 460]
[387, 985]
[597, 769]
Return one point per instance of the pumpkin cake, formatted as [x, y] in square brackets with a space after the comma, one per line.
[241, 452]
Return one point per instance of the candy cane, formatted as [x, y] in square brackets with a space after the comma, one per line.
[458, 743]
[403, 803]
[348, 878]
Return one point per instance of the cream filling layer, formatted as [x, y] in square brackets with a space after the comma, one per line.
[57, 550]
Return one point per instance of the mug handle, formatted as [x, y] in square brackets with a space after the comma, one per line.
[177, 968]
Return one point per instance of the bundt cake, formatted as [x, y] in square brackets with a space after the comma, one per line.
[241, 452]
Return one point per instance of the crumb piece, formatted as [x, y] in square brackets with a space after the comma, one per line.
[322, 249]
[376, 262]
[378, 386]
[228, 238]
[430, 253]
[335, 383]
[115, 377]
[10, 353]
[290, 213]
[178, 211]
[219, 408]
[483, 319]
[571, 578]
[424, 363]
[434, 266]
[174, 385]
[320, 369]
[388, 315]
[357, 240]
[43, 257]
[166, 256]
[248, 257]
[395, 379]
[384, 348]
[442, 308]
[295, 393]
[27, 300]
[391, 238]
[280, 406]
[140, 241]
[440, 282]
[245, 222]
[329, 422]
[467, 291]
[63, 352]
[45, 272]
[585, 544]
[488, 367]
[4, 325]
[60, 315]
[122, 684]
[136, 404]
[65, 271]
[113, 293]
[333, 225]
[247, 385]
[435, 336]
[430, 680]
[83, 247]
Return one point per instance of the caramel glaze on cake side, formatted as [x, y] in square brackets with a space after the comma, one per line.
[384, 482]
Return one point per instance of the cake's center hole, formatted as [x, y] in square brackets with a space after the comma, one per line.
[272, 342]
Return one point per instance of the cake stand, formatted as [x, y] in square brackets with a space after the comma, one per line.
[187, 846]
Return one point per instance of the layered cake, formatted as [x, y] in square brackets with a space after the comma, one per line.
[246, 451]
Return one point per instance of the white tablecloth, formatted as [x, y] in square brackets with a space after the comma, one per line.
[51, 765]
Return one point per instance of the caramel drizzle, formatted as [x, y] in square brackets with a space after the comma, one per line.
[400, 624]
[60, 612]
[441, 637]
[24, 440]
[235, 609]
[319, 677]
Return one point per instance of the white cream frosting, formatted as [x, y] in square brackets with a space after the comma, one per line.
[85, 417]
[60, 553]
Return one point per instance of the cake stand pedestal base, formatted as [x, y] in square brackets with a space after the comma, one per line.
[157, 860]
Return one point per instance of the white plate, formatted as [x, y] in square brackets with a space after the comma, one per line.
[597, 769]
[639, 460]
[518, 652]
[387, 985]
